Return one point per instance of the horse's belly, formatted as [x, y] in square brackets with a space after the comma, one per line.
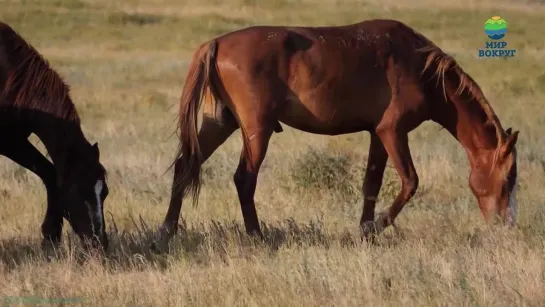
[318, 115]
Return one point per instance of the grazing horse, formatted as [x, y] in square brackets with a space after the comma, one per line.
[34, 99]
[379, 76]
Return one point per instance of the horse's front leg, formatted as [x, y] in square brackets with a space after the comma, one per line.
[22, 152]
[397, 147]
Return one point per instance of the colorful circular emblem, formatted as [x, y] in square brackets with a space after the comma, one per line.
[495, 27]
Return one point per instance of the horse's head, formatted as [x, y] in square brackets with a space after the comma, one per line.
[494, 180]
[84, 192]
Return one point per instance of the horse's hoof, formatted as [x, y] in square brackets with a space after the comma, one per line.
[154, 247]
[49, 249]
[382, 221]
[371, 229]
[367, 228]
[160, 243]
[257, 236]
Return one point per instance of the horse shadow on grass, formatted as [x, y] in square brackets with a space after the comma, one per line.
[199, 244]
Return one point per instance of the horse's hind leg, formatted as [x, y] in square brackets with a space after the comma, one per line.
[256, 141]
[213, 133]
[21, 151]
[376, 164]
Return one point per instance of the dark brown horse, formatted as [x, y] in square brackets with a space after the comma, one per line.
[34, 99]
[379, 76]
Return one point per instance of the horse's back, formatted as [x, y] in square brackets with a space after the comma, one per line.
[361, 32]
[365, 46]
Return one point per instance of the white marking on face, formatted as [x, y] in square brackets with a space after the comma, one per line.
[99, 185]
[512, 209]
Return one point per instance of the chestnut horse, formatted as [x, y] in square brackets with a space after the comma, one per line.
[379, 76]
[34, 99]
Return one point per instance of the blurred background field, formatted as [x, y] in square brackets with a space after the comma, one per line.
[126, 62]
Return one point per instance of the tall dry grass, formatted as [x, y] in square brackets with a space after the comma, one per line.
[126, 60]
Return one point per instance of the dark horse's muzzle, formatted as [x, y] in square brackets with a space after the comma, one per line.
[92, 234]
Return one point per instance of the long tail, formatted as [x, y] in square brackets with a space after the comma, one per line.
[198, 80]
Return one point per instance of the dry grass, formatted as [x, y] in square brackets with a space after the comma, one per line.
[126, 61]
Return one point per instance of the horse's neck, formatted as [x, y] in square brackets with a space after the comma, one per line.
[467, 121]
[60, 137]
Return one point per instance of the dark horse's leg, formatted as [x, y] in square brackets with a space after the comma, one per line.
[22, 152]
[376, 164]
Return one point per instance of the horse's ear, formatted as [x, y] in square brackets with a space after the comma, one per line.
[509, 131]
[96, 151]
[509, 144]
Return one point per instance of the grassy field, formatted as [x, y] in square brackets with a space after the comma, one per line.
[126, 62]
